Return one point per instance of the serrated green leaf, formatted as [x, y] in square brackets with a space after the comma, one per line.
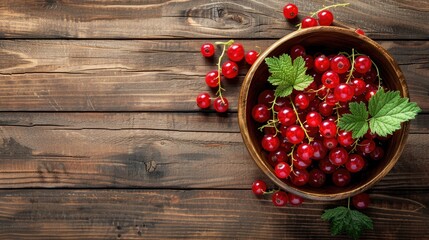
[356, 121]
[344, 220]
[287, 75]
[388, 110]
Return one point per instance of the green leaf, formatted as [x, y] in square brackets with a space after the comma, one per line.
[345, 220]
[356, 121]
[287, 75]
[388, 110]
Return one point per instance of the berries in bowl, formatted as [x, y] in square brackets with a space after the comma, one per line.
[324, 112]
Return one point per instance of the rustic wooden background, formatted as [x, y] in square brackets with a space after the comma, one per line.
[100, 137]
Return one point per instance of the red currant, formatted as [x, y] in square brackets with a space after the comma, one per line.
[299, 163]
[338, 156]
[330, 143]
[321, 63]
[281, 102]
[317, 178]
[309, 62]
[221, 106]
[330, 79]
[308, 22]
[260, 113]
[299, 177]
[203, 100]
[295, 134]
[341, 177]
[302, 101]
[361, 201]
[326, 166]
[251, 56]
[355, 163]
[340, 64]
[270, 142]
[343, 92]
[207, 50]
[362, 64]
[235, 52]
[366, 146]
[345, 138]
[325, 17]
[320, 151]
[297, 51]
[290, 11]
[305, 151]
[282, 170]
[328, 129]
[279, 198]
[230, 69]
[259, 187]
[377, 154]
[286, 116]
[360, 31]
[314, 119]
[358, 86]
[295, 200]
[266, 97]
[326, 109]
[331, 99]
[369, 94]
[212, 79]
[280, 155]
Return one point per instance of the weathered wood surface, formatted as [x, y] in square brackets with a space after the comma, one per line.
[192, 214]
[139, 75]
[387, 19]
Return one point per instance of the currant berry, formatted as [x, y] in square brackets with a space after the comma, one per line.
[281, 102]
[361, 201]
[345, 138]
[251, 56]
[309, 62]
[207, 50]
[328, 129]
[317, 178]
[369, 94]
[270, 142]
[286, 116]
[344, 92]
[308, 22]
[359, 31]
[279, 198]
[212, 79]
[341, 177]
[297, 51]
[282, 170]
[259, 187]
[330, 143]
[295, 134]
[366, 146]
[230, 69]
[362, 64]
[355, 163]
[295, 200]
[331, 99]
[321, 63]
[340, 64]
[203, 100]
[314, 119]
[299, 163]
[338, 156]
[260, 113]
[302, 101]
[326, 166]
[305, 151]
[235, 52]
[280, 155]
[330, 79]
[325, 109]
[358, 86]
[325, 17]
[221, 106]
[290, 11]
[320, 151]
[266, 97]
[377, 154]
[299, 177]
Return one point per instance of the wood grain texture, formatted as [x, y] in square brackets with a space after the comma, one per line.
[135, 150]
[139, 75]
[198, 19]
[208, 214]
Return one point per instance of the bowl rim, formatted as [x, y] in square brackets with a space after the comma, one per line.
[265, 167]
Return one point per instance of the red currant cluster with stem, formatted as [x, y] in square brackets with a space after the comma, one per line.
[301, 138]
[322, 17]
[228, 69]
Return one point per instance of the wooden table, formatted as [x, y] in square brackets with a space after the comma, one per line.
[100, 137]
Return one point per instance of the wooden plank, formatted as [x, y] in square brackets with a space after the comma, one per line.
[84, 156]
[46, 75]
[185, 122]
[198, 19]
[208, 214]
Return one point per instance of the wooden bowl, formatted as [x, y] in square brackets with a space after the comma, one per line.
[333, 39]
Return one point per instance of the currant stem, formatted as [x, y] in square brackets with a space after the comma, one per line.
[353, 66]
[219, 69]
[354, 144]
[310, 139]
[328, 7]
[348, 203]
